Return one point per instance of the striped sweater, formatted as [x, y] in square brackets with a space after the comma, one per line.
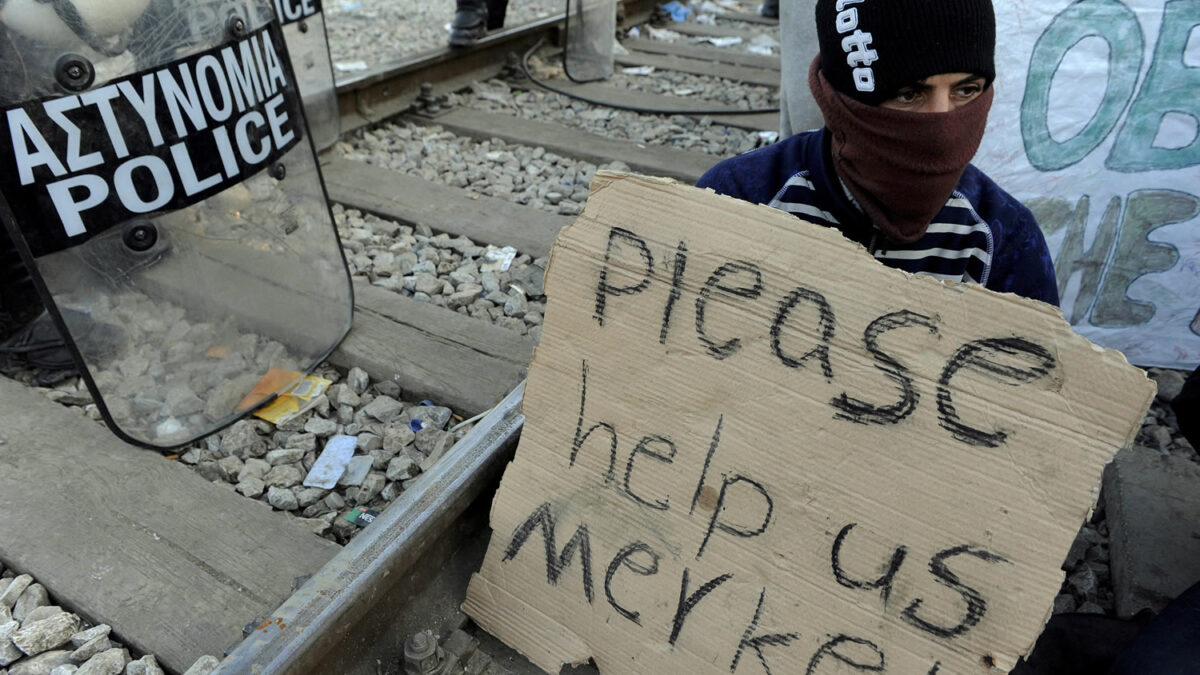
[982, 235]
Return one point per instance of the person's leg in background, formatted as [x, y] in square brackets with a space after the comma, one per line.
[1187, 409]
[798, 45]
[1170, 643]
[474, 18]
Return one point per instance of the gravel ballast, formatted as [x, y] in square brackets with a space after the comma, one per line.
[39, 637]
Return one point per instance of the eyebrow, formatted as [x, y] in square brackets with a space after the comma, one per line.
[965, 80]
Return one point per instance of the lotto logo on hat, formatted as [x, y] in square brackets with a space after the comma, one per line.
[857, 45]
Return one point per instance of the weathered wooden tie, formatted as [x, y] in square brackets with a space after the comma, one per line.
[120, 535]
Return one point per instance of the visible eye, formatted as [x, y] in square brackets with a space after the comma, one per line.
[968, 90]
[907, 96]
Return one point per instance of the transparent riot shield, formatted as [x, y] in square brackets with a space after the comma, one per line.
[159, 183]
[590, 35]
[304, 29]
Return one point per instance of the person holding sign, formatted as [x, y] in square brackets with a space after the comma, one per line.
[904, 87]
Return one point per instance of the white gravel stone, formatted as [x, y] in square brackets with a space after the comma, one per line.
[402, 467]
[317, 526]
[284, 475]
[147, 665]
[397, 437]
[431, 416]
[384, 408]
[12, 592]
[282, 498]
[434, 443]
[39, 613]
[368, 441]
[249, 486]
[284, 456]
[308, 496]
[242, 440]
[320, 426]
[391, 491]
[8, 651]
[203, 666]
[230, 468]
[467, 294]
[94, 647]
[85, 636]
[306, 442]
[344, 394]
[358, 380]
[334, 501]
[254, 468]
[35, 637]
[35, 596]
[515, 306]
[370, 488]
[41, 664]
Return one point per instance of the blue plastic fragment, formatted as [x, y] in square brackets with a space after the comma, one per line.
[679, 13]
[427, 402]
[415, 425]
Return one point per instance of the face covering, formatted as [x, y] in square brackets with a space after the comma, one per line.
[900, 166]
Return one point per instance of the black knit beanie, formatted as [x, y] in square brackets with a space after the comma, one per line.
[870, 49]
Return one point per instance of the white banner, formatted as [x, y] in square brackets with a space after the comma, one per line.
[1096, 127]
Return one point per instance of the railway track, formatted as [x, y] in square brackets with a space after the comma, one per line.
[181, 567]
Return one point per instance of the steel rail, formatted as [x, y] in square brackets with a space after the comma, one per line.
[388, 89]
[347, 618]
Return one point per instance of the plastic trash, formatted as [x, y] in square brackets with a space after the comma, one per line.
[497, 259]
[663, 34]
[720, 41]
[362, 516]
[764, 45]
[330, 466]
[678, 12]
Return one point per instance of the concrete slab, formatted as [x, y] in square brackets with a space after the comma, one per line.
[1153, 506]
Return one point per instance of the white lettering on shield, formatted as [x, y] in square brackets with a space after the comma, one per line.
[229, 104]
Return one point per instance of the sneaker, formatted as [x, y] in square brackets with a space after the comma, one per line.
[469, 25]
[40, 347]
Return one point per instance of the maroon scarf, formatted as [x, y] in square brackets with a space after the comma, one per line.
[900, 166]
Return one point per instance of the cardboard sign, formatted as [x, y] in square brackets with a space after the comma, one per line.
[750, 448]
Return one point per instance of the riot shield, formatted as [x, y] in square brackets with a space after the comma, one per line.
[304, 29]
[160, 185]
[590, 34]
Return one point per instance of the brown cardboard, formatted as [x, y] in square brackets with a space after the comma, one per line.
[950, 509]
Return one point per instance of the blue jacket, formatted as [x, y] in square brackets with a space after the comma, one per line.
[982, 234]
